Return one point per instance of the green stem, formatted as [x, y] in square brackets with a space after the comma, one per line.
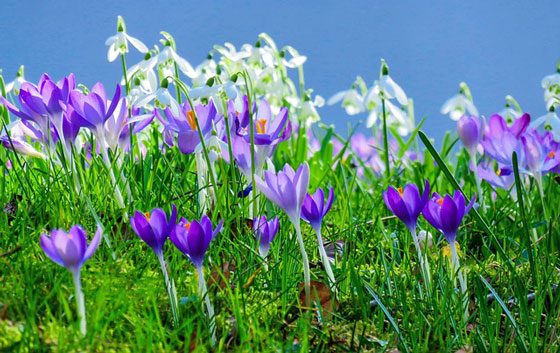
[170, 292]
[385, 141]
[325, 259]
[424, 265]
[80, 300]
[457, 269]
[203, 293]
[305, 259]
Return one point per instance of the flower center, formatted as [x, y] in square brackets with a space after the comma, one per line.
[187, 226]
[498, 172]
[551, 154]
[191, 120]
[400, 191]
[147, 214]
[260, 126]
[440, 201]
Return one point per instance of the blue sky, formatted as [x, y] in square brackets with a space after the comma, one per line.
[497, 47]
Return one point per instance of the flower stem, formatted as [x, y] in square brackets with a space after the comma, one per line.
[385, 140]
[107, 161]
[170, 291]
[456, 268]
[306, 273]
[538, 177]
[325, 259]
[80, 301]
[424, 265]
[477, 177]
[203, 293]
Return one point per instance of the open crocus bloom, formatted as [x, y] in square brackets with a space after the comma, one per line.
[500, 140]
[445, 214]
[314, 208]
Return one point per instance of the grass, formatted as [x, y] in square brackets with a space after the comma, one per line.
[381, 304]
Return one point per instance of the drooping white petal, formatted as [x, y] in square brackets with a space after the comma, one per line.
[137, 44]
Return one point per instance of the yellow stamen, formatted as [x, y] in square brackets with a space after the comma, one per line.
[260, 126]
[400, 191]
[147, 214]
[191, 119]
[187, 226]
[440, 201]
[551, 154]
[499, 172]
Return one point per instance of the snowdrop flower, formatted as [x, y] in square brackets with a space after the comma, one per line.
[16, 83]
[352, 100]
[396, 117]
[168, 56]
[460, 104]
[551, 85]
[161, 97]
[118, 44]
[295, 61]
[512, 111]
[549, 122]
[307, 111]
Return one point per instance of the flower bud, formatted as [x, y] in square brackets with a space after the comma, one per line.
[121, 26]
[470, 131]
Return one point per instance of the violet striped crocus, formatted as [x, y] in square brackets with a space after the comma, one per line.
[265, 231]
[70, 249]
[500, 140]
[287, 190]
[407, 205]
[313, 211]
[193, 239]
[445, 214]
[154, 228]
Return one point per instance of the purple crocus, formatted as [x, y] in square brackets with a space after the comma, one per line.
[154, 229]
[92, 110]
[184, 125]
[314, 208]
[500, 140]
[542, 153]
[470, 129]
[41, 103]
[71, 251]
[407, 205]
[287, 190]
[193, 239]
[265, 231]
[313, 211]
[446, 213]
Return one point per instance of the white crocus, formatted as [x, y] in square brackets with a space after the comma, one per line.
[458, 105]
[118, 44]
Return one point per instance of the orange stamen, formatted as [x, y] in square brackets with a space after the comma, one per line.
[191, 119]
[147, 214]
[440, 201]
[551, 154]
[400, 191]
[260, 126]
[187, 226]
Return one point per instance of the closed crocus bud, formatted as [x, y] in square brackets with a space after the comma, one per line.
[154, 228]
[70, 249]
[193, 238]
[470, 129]
[265, 231]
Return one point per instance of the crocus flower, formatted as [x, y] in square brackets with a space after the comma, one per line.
[154, 229]
[407, 203]
[542, 154]
[470, 129]
[265, 231]
[313, 211]
[500, 141]
[71, 251]
[287, 190]
[92, 110]
[193, 239]
[407, 206]
[445, 214]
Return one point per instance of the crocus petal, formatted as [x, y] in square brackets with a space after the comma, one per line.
[93, 244]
